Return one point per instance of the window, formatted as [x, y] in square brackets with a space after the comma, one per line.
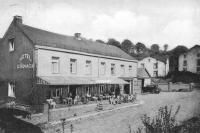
[101, 89]
[155, 65]
[198, 63]
[184, 68]
[112, 69]
[11, 89]
[89, 90]
[122, 69]
[55, 64]
[56, 92]
[73, 66]
[185, 65]
[142, 65]
[11, 45]
[88, 67]
[155, 73]
[103, 68]
[130, 69]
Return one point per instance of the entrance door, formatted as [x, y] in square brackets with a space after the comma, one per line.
[142, 85]
[72, 90]
[127, 88]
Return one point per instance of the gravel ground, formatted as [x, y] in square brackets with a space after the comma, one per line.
[120, 120]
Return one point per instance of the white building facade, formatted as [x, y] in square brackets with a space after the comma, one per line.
[155, 67]
[190, 61]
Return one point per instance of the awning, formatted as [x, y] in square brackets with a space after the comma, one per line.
[127, 78]
[142, 73]
[62, 80]
[108, 80]
[66, 80]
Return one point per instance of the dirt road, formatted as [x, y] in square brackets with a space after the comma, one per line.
[119, 121]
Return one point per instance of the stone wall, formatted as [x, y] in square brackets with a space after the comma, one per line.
[59, 113]
[174, 87]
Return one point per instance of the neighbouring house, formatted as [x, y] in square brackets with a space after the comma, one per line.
[49, 65]
[144, 78]
[190, 61]
[156, 67]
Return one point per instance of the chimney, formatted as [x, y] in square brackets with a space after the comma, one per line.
[17, 19]
[77, 36]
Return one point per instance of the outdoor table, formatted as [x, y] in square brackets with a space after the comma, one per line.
[95, 98]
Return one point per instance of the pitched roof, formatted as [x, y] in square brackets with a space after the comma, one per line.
[160, 58]
[157, 57]
[46, 38]
[195, 46]
[142, 73]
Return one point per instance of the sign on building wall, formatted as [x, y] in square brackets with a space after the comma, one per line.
[25, 62]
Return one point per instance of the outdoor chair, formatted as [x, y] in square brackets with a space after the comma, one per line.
[68, 101]
[84, 100]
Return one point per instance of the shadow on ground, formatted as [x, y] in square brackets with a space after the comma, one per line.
[11, 124]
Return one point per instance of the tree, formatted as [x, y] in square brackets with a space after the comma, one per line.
[140, 48]
[114, 42]
[127, 46]
[179, 50]
[174, 57]
[166, 47]
[100, 41]
[155, 48]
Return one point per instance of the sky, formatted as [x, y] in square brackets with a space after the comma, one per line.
[172, 22]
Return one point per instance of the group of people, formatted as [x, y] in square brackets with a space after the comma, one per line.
[122, 98]
[113, 99]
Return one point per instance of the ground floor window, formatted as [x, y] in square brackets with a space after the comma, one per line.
[57, 92]
[101, 89]
[155, 73]
[11, 89]
[198, 65]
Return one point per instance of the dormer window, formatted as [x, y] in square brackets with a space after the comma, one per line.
[11, 45]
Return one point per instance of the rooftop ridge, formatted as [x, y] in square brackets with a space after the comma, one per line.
[52, 39]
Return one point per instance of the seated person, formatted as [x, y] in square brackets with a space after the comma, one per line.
[76, 99]
[51, 103]
[112, 100]
[129, 98]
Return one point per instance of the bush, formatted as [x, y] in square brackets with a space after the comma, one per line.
[183, 76]
[163, 122]
[191, 126]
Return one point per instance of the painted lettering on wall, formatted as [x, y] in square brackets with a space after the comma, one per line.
[25, 61]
